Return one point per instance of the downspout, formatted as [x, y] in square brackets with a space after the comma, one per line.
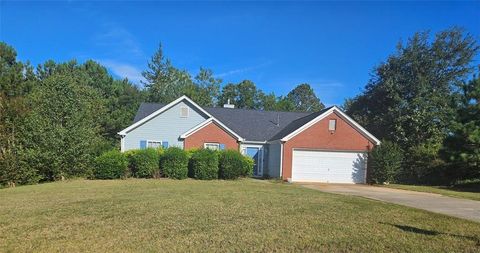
[122, 143]
[281, 159]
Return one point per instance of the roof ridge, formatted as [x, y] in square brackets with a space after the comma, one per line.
[255, 110]
[243, 109]
[321, 111]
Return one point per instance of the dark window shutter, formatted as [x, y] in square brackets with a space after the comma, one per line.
[143, 144]
[164, 144]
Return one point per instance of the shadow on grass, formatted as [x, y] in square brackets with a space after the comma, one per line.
[472, 187]
[431, 232]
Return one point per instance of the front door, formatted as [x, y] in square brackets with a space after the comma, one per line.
[255, 154]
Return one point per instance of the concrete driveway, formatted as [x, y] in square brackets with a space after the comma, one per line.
[461, 208]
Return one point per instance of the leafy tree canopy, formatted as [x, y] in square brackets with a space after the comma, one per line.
[409, 98]
[304, 99]
[462, 146]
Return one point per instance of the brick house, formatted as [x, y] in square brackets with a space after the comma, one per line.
[324, 146]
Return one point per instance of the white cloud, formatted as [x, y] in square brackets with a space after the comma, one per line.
[118, 40]
[243, 70]
[330, 84]
[124, 70]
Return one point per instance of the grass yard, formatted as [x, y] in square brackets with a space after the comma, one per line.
[243, 215]
[466, 192]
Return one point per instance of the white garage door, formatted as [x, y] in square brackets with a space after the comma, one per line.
[328, 166]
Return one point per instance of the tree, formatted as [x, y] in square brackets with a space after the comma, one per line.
[304, 99]
[285, 104]
[229, 92]
[61, 132]
[244, 95]
[121, 98]
[248, 95]
[462, 146]
[268, 102]
[16, 81]
[204, 89]
[409, 98]
[121, 106]
[385, 162]
[88, 108]
[164, 83]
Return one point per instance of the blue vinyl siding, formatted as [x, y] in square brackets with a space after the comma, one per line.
[165, 127]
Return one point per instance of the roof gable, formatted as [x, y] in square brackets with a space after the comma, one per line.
[206, 123]
[139, 121]
[316, 117]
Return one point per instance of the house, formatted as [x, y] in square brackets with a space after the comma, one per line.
[324, 146]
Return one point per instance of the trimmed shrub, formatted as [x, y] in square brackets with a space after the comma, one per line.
[143, 163]
[110, 165]
[191, 151]
[233, 165]
[174, 163]
[385, 162]
[248, 166]
[204, 164]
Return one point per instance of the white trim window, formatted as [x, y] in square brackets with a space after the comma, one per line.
[184, 111]
[211, 145]
[154, 144]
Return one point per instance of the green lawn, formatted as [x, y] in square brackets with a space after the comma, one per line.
[472, 192]
[189, 215]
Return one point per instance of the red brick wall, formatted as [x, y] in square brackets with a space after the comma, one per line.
[345, 137]
[210, 133]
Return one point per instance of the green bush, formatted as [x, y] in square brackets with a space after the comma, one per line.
[204, 164]
[110, 165]
[248, 166]
[174, 163]
[143, 163]
[14, 170]
[233, 165]
[191, 151]
[423, 165]
[385, 162]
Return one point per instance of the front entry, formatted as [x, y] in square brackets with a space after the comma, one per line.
[256, 153]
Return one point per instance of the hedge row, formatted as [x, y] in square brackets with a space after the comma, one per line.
[176, 163]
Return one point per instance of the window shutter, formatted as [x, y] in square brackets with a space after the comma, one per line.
[164, 144]
[221, 146]
[143, 144]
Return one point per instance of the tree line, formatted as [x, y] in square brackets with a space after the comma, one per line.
[422, 101]
[164, 83]
[425, 104]
[55, 118]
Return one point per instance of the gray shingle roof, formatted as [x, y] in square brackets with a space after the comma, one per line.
[253, 125]
[146, 109]
[294, 125]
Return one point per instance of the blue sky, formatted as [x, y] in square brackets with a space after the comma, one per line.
[331, 45]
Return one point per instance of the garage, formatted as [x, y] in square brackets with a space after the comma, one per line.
[329, 166]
